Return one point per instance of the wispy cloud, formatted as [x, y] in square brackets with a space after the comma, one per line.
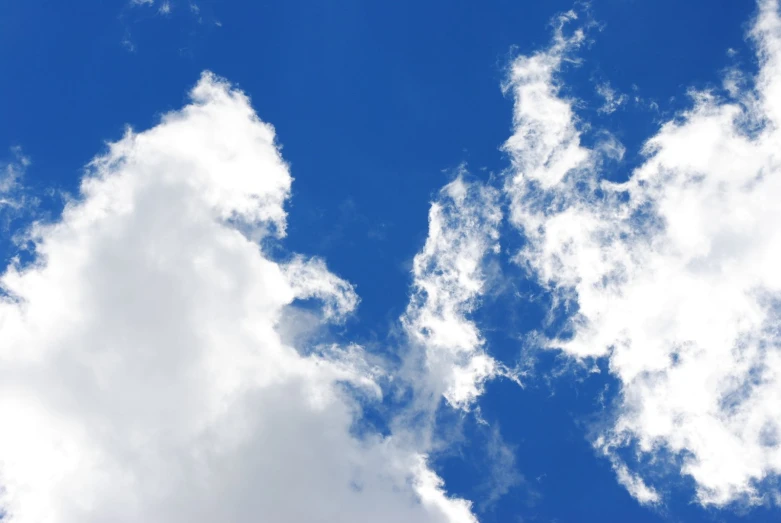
[448, 282]
[16, 201]
[612, 99]
[11, 174]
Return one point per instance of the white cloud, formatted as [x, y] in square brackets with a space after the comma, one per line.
[503, 476]
[127, 42]
[448, 282]
[635, 485]
[11, 174]
[143, 372]
[545, 146]
[674, 273]
[16, 202]
[612, 99]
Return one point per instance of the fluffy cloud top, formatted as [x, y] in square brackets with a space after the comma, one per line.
[674, 273]
[144, 375]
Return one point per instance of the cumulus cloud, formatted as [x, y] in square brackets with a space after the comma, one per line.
[673, 275]
[143, 372]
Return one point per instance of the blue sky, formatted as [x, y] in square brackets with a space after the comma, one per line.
[588, 307]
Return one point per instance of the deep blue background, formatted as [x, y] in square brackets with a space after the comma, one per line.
[376, 104]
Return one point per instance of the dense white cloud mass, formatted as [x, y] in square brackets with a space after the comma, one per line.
[675, 273]
[143, 373]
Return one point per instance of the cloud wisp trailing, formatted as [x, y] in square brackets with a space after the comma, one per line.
[673, 274]
[146, 372]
